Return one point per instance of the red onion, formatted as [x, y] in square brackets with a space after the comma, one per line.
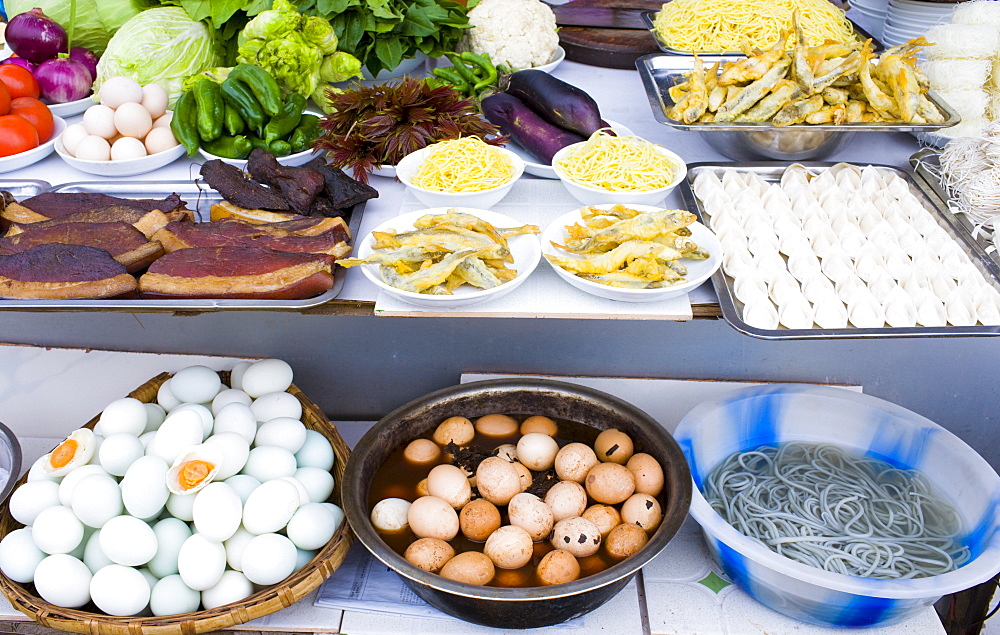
[36, 37]
[87, 57]
[62, 79]
[19, 61]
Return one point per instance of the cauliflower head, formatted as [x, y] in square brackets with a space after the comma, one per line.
[518, 33]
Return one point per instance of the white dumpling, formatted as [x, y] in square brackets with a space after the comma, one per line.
[871, 179]
[869, 221]
[817, 287]
[783, 289]
[803, 265]
[732, 240]
[897, 186]
[868, 260]
[941, 284]
[848, 179]
[737, 262]
[762, 239]
[987, 301]
[883, 235]
[732, 182]
[790, 243]
[897, 263]
[748, 288]
[852, 239]
[960, 309]
[716, 201]
[786, 224]
[794, 178]
[756, 184]
[769, 265]
[802, 201]
[910, 240]
[937, 239]
[747, 213]
[880, 203]
[864, 311]
[797, 313]
[824, 242]
[848, 287]
[837, 266]
[840, 220]
[880, 284]
[913, 282]
[705, 181]
[925, 261]
[775, 197]
[900, 311]
[824, 180]
[953, 260]
[930, 309]
[830, 313]
[761, 315]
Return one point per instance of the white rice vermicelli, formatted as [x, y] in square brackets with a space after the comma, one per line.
[977, 12]
[953, 41]
[957, 74]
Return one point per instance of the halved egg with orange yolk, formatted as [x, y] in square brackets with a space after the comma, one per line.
[76, 450]
[194, 469]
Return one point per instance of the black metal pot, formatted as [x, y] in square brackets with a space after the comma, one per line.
[593, 411]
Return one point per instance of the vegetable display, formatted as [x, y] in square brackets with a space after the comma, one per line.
[299, 51]
[470, 74]
[96, 20]
[25, 122]
[516, 33]
[42, 46]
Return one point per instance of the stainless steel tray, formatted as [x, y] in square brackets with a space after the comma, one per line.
[771, 172]
[649, 17]
[23, 188]
[199, 198]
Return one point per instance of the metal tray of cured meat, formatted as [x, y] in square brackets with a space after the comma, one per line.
[199, 198]
[23, 188]
[770, 171]
[649, 18]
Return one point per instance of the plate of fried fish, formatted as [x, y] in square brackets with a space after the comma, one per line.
[447, 257]
[634, 253]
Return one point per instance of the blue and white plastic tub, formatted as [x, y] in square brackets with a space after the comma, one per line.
[750, 417]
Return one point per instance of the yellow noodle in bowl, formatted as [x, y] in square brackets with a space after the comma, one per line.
[466, 164]
[617, 164]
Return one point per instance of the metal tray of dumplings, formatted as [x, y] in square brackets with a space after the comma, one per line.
[199, 198]
[770, 171]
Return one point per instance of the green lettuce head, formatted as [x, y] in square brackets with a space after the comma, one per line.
[96, 20]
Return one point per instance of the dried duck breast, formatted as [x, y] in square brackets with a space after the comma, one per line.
[63, 272]
[235, 187]
[125, 243]
[237, 273]
[146, 221]
[235, 233]
[49, 205]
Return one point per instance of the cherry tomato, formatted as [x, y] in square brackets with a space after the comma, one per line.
[16, 135]
[37, 114]
[19, 80]
[4, 99]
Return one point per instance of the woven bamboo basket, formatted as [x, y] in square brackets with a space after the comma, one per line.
[261, 603]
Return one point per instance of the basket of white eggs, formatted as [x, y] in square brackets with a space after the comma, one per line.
[202, 500]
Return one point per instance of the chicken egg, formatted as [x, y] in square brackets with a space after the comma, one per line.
[605, 517]
[235, 452]
[194, 470]
[201, 562]
[155, 99]
[610, 483]
[171, 596]
[217, 511]
[268, 462]
[163, 121]
[470, 567]
[128, 540]
[268, 559]
[506, 451]
[496, 425]
[539, 423]
[531, 514]
[449, 482]
[234, 547]
[509, 547]
[266, 376]
[315, 452]
[524, 475]
[318, 483]
[32, 497]
[276, 404]
[76, 450]
[97, 499]
[478, 519]
[119, 451]
[19, 555]
[576, 535]
[537, 451]
[236, 417]
[195, 384]
[99, 120]
[558, 567]
[574, 460]
[122, 415]
[457, 430]
[232, 587]
[311, 526]
[643, 511]
[127, 148]
[57, 530]
[93, 148]
[566, 499]
[170, 535]
[72, 136]
[625, 540]
[144, 487]
[613, 445]
[270, 507]
[497, 480]
[63, 580]
[421, 451]
[647, 473]
[119, 90]
[432, 517]
[389, 515]
[429, 554]
[119, 590]
[283, 432]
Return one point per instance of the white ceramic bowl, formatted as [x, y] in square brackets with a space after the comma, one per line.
[407, 168]
[70, 108]
[534, 167]
[750, 417]
[524, 248]
[698, 270]
[557, 58]
[596, 196]
[26, 158]
[124, 167]
[298, 158]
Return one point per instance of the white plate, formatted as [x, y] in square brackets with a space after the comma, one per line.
[125, 167]
[557, 58]
[544, 170]
[387, 171]
[26, 158]
[698, 270]
[524, 248]
[71, 108]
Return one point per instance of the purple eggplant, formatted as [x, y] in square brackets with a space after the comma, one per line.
[560, 103]
[523, 125]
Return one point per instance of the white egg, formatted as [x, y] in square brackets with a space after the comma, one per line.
[68, 484]
[315, 452]
[75, 451]
[233, 587]
[166, 398]
[236, 374]
[217, 511]
[181, 506]
[228, 396]
[155, 98]
[267, 462]
[97, 499]
[243, 484]
[303, 556]
[201, 562]
[119, 451]
[93, 148]
[267, 375]
[284, 432]
[155, 414]
[318, 482]
[196, 384]
[82, 547]
[276, 404]
[171, 596]
[235, 452]
[170, 535]
[236, 417]
[303, 492]
[128, 540]
[160, 139]
[178, 433]
[270, 507]
[72, 136]
[145, 438]
[234, 547]
[19, 556]
[123, 415]
[63, 580]
[207, 419]
[57, 530]
[119, 590]
[93, 556]
[338, 513]
[125, 148]
[32, 497]
[99, 120]
[311, 526]
[39, 471]
[144, 487]
[118, 90]
[268, 559]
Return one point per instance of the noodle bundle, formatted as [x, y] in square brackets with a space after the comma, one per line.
[466, 164]
[617, 164]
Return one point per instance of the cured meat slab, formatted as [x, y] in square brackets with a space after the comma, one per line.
[56, 271]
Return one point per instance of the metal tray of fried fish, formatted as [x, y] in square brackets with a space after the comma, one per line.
[660, 72]
[649, 18]
[199, 199]
[771, 171]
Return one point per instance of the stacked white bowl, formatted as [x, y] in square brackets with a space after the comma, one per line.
[908, 19]
[872, 14]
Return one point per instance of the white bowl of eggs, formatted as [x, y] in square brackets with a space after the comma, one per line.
[127, 133]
